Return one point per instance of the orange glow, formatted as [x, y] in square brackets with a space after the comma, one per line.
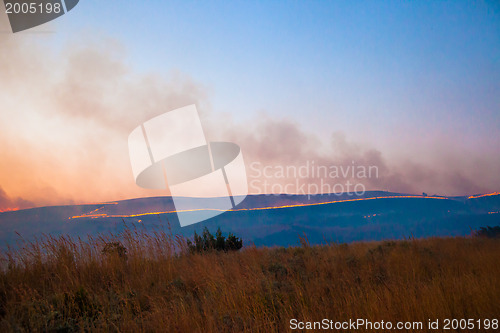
[483, 195]
[9, 209]
[90, 215]
[94, 216]
[95, 210]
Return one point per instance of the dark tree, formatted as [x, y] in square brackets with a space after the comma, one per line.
[220, 241]
[233, 243]
[490, 232]
[208, 242]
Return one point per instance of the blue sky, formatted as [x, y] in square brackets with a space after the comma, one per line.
[428, 67]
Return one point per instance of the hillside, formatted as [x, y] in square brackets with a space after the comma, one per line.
[271, 219]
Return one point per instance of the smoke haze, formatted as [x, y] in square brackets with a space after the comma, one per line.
[65, 117]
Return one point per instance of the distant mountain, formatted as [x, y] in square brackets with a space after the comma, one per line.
[270, 219]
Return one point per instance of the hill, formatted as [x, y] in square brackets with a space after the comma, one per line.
[271, 219]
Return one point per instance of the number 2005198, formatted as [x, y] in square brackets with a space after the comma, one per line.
[32, 8]
[465, 324]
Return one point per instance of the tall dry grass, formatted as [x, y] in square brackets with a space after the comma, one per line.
[62, 284]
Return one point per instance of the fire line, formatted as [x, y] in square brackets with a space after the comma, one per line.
[90, 215]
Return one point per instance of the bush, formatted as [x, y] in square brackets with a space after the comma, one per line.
[490, 232]
[209, 242]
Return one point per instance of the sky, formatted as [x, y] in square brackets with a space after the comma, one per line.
[412, 88]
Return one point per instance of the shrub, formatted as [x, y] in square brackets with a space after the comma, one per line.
[209, 242]
[490, 232]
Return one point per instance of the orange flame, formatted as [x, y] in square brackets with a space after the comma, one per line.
[3, 210]
[90, 215]
[483, 195]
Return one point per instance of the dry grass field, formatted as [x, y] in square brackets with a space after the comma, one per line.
[141, 285]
